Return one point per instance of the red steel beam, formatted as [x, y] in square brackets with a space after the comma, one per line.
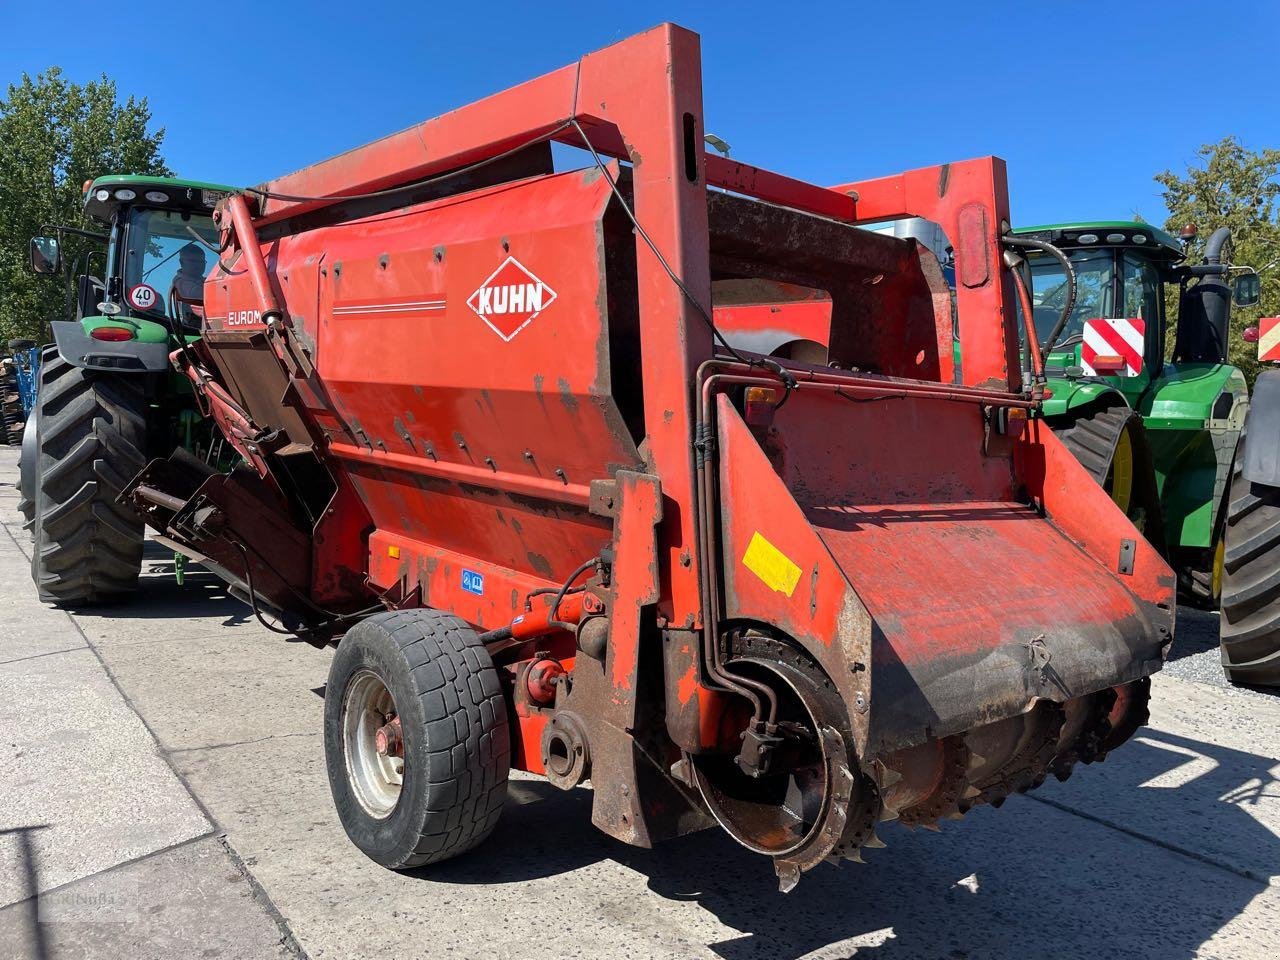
[778, 188]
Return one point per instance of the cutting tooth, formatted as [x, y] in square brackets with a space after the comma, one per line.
[874, 842]
[955, 815]
[788, 876]
[854, 856]
[932, 826]
[886, 777]
[971, 792]
[888, 813]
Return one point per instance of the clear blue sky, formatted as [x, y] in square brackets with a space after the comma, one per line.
[1085, 100]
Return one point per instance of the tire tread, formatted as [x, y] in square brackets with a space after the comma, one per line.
[88, 547]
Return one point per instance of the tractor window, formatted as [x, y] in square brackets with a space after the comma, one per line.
[1141, 289]
[1095, 291]
[162, 254]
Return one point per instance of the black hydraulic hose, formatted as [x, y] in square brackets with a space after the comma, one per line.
[552, 617]
[1013, 241]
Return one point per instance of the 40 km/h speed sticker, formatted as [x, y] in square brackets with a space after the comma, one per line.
[144, 297]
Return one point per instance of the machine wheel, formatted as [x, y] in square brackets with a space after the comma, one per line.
[1251, 582]
[92, 428]
[1201, 577]
[28, 456]
[415, 737]
[1103, 442]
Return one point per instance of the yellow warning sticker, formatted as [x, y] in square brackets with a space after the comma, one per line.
[393, 553]
[771, 565]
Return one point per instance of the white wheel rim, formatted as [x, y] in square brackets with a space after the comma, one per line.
[375, 778]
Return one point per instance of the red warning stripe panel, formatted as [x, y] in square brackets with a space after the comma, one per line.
[1118, 337]
[1269, 338]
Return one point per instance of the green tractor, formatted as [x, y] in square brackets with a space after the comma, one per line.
[1164, 437]
[108, 400]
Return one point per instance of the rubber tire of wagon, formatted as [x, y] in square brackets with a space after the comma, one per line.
[90, 436]
[1250, 631]
[453, 718]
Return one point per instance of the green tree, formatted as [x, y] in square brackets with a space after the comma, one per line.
[1229, 185]
[54, 135]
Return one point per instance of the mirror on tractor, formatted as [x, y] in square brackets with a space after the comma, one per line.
[44, 255]
[1246, 290]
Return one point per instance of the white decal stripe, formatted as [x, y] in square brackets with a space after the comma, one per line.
[392, 307]
[1268, 342]
[1130, 334]
[1095, 344]
[1093, 340]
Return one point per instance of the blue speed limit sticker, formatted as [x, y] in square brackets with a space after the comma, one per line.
[473, 582]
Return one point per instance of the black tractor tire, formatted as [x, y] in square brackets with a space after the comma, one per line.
[28, 456]
[1250, 629]
[1196, 581]
[437, 678]
[90, 441]
[1093, 436]
[10, 421]
[1092, 439]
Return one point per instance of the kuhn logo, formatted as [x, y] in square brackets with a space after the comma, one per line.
[510, 298]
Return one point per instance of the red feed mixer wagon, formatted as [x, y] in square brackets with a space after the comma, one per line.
[493, 446]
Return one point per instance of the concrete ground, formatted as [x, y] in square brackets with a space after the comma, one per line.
[163, 791]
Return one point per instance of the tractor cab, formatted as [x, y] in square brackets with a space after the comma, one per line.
[1116, 329]
[148, 261]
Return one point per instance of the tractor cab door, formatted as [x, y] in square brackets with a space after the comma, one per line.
[90, 291]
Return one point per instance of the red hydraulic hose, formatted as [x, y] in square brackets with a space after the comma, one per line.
[1033, 340]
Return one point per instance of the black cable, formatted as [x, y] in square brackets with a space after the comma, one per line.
[334, 618]
[253, 595]
[883, 396]
[582, 568]
[216, 251]
[543, 591]
[788, 379]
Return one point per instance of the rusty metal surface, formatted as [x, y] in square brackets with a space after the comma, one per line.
[973, 600]
[889, 306]
[969, 199]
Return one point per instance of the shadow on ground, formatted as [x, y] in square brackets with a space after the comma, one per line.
[1030, 879]
[1197, 632]
[161, 597]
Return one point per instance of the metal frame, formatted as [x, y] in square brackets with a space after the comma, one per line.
[641, 101]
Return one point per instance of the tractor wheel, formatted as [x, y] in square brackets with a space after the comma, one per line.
[1250, 631]
[91, 432]
[1200, 578]
[28, 457]
[415, 737]
[1104, 443]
